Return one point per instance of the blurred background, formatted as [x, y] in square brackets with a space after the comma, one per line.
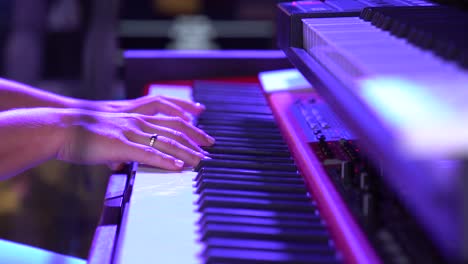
[74, 48]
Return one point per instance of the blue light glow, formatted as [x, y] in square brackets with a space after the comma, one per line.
[22, 254]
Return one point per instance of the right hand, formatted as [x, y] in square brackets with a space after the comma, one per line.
[112, 138]
[146, 105]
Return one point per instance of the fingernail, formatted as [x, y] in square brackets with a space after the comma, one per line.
[210, 140]
[179, 163]
[205, 152]
[198, 105]
[206, 158]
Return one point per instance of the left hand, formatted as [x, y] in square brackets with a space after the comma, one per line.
[148, 105]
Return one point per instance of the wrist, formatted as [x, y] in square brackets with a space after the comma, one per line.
[56, 130]
[34, 134]
[99, 106]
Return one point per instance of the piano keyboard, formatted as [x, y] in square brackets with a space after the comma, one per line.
[248, 204]
[369, 51]
[436, 29]
[253, 203]
[397, 76]
[376, 56]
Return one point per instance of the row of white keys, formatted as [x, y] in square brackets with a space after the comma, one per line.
[159, 223]
[352, 42]
[412, 89]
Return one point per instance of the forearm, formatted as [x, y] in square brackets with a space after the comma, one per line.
[26, 142]
[17, 95]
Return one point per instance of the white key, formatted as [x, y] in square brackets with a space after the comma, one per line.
[159, 222]
[419, 95]
[159, 225]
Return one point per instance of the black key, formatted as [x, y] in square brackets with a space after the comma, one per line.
[234, 108]
[224, 143]
[319, 235]
[239, 122]
[256, 221]
[245, 165]
[209, 86]
[255, 194]
[238, 256]
[256, 158]
[253, 142]
[256, 203]
[236, 128]
[249, 185]
[209, 100]
[251, 172]
[256, 178]
[282, 246]
[252, 135]
[261, 213]
[236, 117]
[247, 151]
[236, 92]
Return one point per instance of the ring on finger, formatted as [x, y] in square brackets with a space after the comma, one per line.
[153, 139]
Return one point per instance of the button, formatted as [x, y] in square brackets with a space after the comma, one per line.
[313, 125]
[324, 125]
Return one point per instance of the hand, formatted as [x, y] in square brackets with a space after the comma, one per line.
[33, 135]
[147, 105]
[98, 137]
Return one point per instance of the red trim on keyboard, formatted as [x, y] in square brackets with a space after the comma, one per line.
[241, 79]
[348, 237]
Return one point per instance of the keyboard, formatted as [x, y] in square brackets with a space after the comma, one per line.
[291, 189]
[320, 176]
[396, 77]
[248, 204]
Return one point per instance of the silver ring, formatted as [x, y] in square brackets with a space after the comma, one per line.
[153, 139]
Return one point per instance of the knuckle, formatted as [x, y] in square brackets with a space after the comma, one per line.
[129, 132]
[151, 155]
[157, 99]
[179, 122]
[150, 151]
[172, 143]
[195, 154]
[135, 119]
[164, 158]
[179, 136]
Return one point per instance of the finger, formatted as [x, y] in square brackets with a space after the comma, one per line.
[192, 132]
[177, 150]
[168, 146]
[152, 105]
[171, 109]
[151, 156]
[170, 133]
[116, 166]
[191, 107]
